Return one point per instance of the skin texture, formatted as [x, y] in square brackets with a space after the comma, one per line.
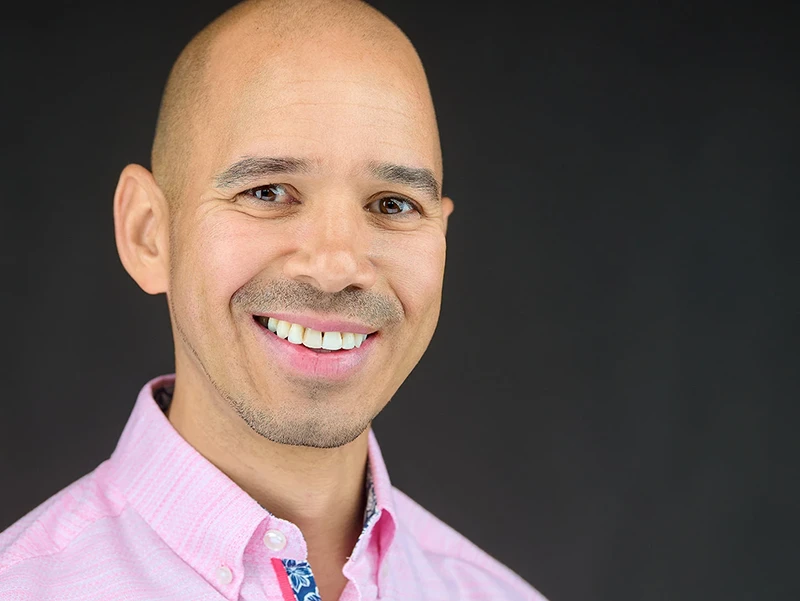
[338, 86]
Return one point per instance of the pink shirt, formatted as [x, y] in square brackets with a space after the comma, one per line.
[158, 521]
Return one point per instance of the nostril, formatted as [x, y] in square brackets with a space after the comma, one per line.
[331, 270]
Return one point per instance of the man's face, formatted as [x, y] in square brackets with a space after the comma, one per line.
[308, 202]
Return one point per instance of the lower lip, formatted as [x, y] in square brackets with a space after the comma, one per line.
[303, 361]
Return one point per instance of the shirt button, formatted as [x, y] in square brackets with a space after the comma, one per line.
[224, 574]
[275, 540]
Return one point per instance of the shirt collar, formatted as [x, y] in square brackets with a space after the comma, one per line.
[200, 513]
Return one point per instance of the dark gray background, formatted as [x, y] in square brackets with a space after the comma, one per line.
[609, 405]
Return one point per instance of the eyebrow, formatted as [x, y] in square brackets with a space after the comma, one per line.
[418, 178]
[249, 169]
[252, 168]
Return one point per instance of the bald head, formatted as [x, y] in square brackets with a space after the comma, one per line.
[297, 148]
[259, 45]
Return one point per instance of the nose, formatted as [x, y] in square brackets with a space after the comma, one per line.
[332, 251]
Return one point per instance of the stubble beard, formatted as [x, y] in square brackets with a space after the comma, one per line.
[318, 426]
[312, 414]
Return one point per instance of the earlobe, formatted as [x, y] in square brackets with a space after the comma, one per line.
[447, 210]
[141, 229]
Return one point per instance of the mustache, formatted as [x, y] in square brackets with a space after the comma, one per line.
[370, 308]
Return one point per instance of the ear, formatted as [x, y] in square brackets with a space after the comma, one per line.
[141, 228]
[447, 210]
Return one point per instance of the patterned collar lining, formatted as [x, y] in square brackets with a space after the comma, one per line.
[163, 397]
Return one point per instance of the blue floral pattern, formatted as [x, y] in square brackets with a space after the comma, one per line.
[372, 503]
[301, 579]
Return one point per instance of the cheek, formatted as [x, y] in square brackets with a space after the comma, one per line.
[224, 252]
[415, 273]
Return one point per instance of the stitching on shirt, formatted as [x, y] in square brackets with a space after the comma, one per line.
[58, 549]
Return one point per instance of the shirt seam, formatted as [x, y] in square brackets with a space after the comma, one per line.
[62, 548]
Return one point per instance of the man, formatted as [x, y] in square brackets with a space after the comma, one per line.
[295, 221]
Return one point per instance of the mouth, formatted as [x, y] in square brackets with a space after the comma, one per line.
[317, 349]
[332, 341]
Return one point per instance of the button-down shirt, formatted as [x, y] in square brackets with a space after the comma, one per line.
[158, 521]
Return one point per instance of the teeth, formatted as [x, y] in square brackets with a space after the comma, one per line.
[348, 340]
[296, 334]
[332, 341]
[282, 329]
[311, 338]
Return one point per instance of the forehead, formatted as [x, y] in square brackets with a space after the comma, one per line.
[330, 101]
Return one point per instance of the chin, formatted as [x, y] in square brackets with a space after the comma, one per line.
[317, 415]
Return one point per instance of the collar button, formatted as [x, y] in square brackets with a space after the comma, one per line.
[224, 575]
[274, 540]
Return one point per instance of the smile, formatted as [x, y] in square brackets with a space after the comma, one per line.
[318, 348]
[311, 338]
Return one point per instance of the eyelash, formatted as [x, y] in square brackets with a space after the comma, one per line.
[251, 194]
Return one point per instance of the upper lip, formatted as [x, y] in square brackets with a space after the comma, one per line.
[322, 324]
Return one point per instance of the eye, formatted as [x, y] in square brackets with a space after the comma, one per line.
[391, 205]
[271, 194]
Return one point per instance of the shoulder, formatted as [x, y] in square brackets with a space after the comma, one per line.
[457, 558]
[46, 533]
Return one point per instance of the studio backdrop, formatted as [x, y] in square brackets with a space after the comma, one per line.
[610, 401]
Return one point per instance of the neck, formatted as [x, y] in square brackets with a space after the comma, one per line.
[319, 490]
